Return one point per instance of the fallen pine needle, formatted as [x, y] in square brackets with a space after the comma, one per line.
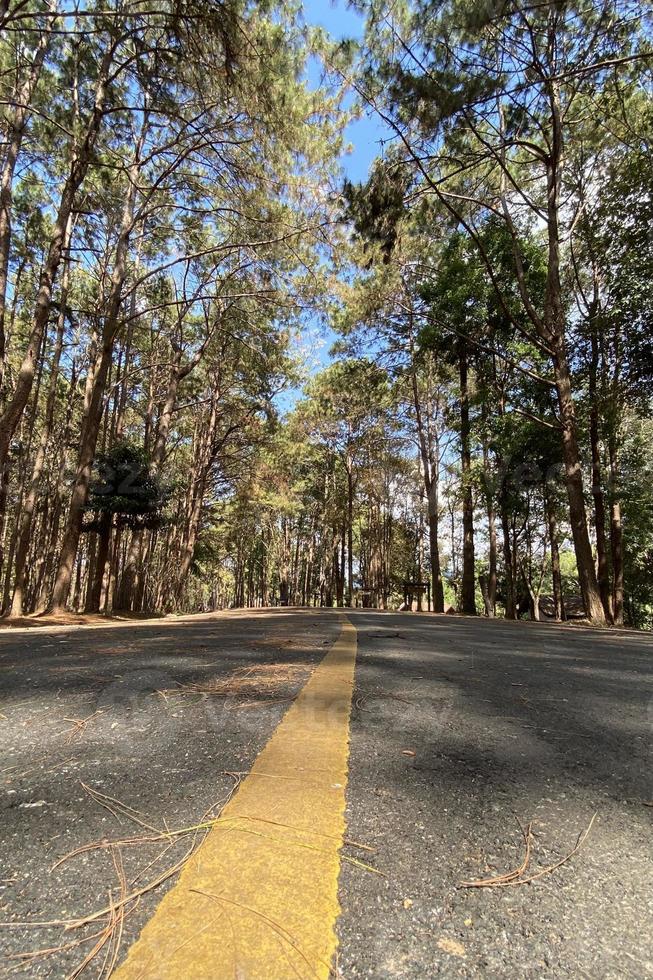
[300, 830]
[261, 679]
[283, 933]
[504, 881]
[363, 866]
[94, 916]
[36, 953]
[79, 725]
[310, 847]
[510, 875]
[107, 939]
[112, 805]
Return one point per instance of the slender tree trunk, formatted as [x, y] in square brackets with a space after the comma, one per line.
[574, 479]
[91, 549]
[26, 439]
[430, 475]
[597, 480]
[42, 593]
[490, 595]
[434, 550]
[112, 570]
[29, 504]
[330, 573]
[350, 536]
[341, 570]
[483, 584]
[468, 582]
[508, 562]
[492, 576]
[81, 161]
[284, 571]
[554, 336]
[93, 418]
[14, 139]
[533, 590]
[190, 538]
[101, 555]
[77, 591]
[205, 457]
[616, 531]
[88, 443]
[556, 576]
[419, 549]
[535, 610]
[616, 540]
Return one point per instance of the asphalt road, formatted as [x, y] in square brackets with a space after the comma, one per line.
[461, 731]
[507, 722]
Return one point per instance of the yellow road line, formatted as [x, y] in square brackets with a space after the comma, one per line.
[259, 899]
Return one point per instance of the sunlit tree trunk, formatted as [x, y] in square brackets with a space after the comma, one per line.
[81, 161]
[27, 512]
[14, 132]
[93, 416]
[430, 474]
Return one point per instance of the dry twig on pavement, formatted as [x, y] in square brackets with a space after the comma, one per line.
[79, 725]
[517, 877]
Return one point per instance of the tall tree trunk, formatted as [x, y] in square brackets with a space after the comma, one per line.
[430, 476]
[490, 596]
[434, 549]
[93, 417]
[468, 581]
[284, 570]
[616, 539]
[204, 458]
[14, 138]
[93, 603]
[597, 477]
[553, 334]
[556, 576]
[79, 166]
[26, 439]
[508, 558]
[350, 535]
[616, 531]
[341, 572]
[42, 592]
[27, 513]
[420, 556]
[492, 560]
[574, 479]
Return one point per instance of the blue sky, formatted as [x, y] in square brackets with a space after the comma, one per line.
[364, 134]
[363, 139]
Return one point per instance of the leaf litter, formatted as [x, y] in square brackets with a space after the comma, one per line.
[253, 686]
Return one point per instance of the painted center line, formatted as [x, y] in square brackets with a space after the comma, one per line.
[259, 899]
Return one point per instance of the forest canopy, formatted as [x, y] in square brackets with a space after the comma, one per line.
[176, 215]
